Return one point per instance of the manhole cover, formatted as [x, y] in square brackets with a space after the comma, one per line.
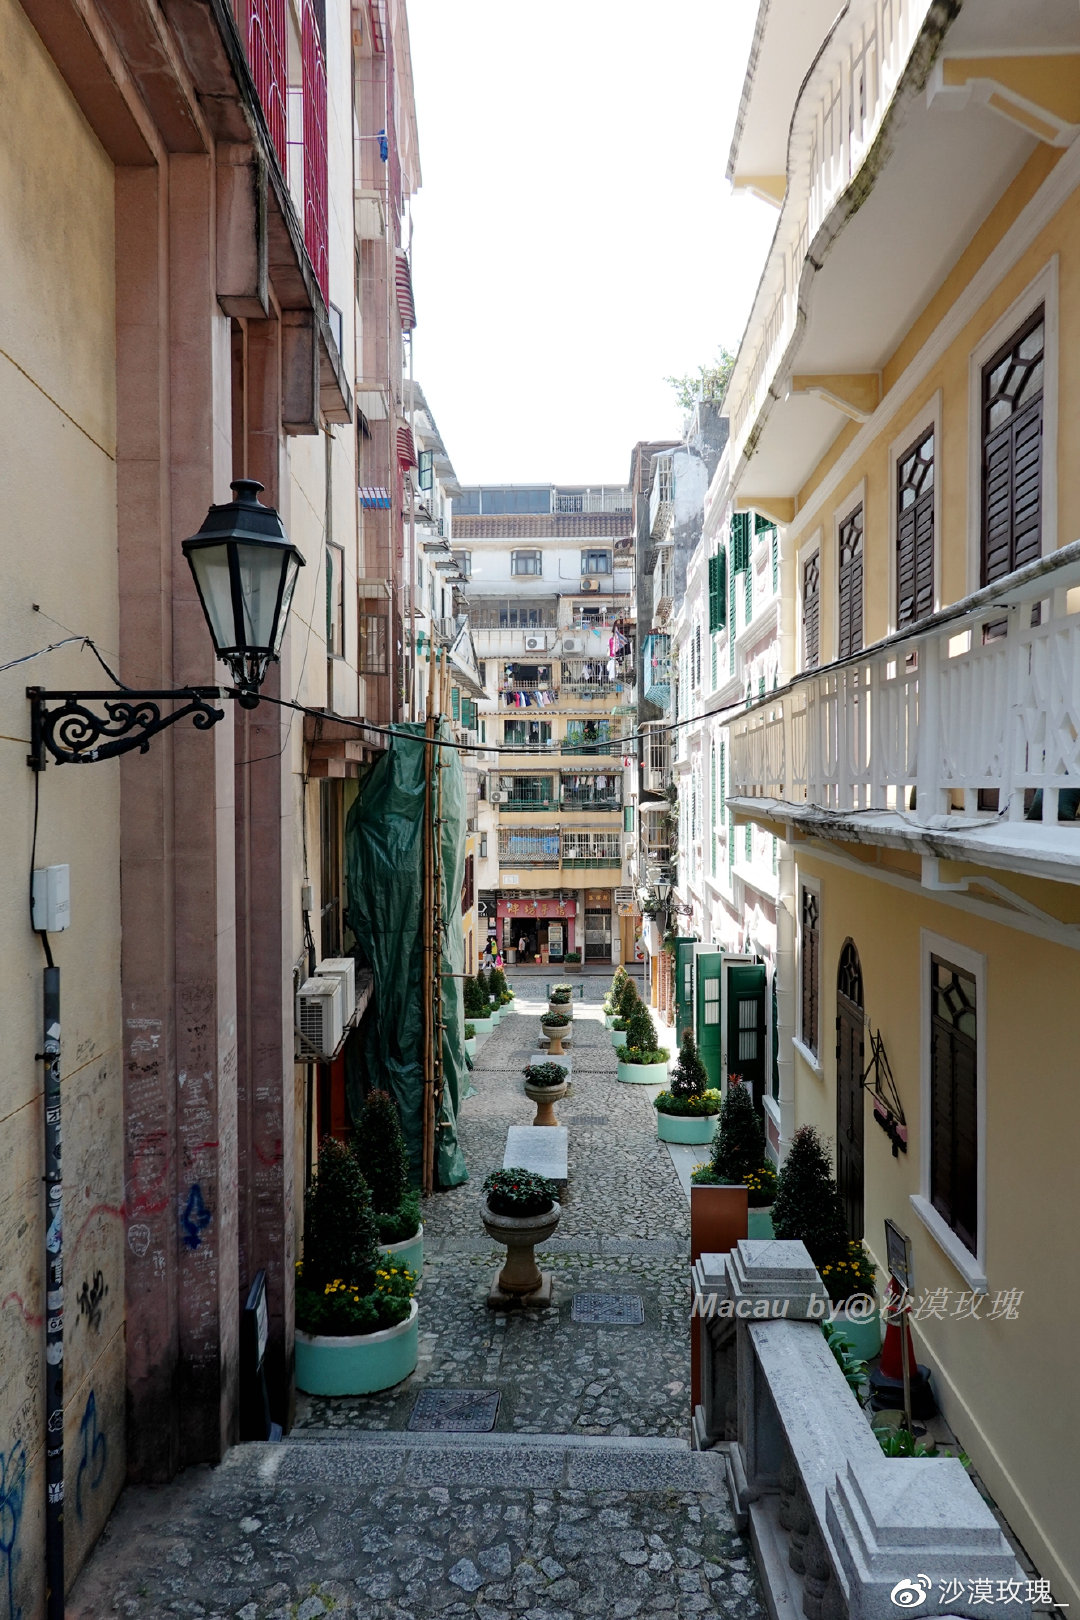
[613, 1310]
[455, 1411]
[588, 1119]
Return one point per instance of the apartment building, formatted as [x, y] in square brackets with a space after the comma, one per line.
[902, 409]
[548, 580]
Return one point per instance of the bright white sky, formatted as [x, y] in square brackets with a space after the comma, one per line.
[575, 240]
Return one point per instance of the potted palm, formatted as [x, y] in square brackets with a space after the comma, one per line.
[642, 1061]
[379, 1149]
[519, 1209]
[356, 1329]
[556, 1026]
[545, 1083]
[688, 1111]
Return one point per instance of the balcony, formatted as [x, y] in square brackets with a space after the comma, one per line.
[660, 497]
[966, 729]
[589, 676]
[592, 500]
[602, 746]
[589, 799]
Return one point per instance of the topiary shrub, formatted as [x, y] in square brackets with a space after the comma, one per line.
[739, 1146]
[379, 1149]
[808, 1206]
[641, 1043]
[340, 1233]
[474, 1001]
[628, 998]
[690, 1077]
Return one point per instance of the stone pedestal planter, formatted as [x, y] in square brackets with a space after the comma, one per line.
[359, 1364]
[409, 1252]
[520, 1281]
[686, 1127]
[561, 1007]
[643, 1074]
[545, 1098]
[556, 1034]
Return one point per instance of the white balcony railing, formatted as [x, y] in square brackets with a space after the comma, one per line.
[975, 713]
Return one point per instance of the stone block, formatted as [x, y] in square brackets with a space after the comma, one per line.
[542, 1152]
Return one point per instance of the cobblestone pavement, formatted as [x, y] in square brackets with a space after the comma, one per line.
[585, 1501]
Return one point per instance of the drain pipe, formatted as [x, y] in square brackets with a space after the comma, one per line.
[54, 1297]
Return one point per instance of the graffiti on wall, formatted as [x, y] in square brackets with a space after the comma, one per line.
[12, 1497]
[95, 1453]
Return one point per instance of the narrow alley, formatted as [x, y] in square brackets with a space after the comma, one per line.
[580, 1495]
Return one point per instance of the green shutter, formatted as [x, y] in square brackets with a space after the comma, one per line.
[717, 592]
[455, 703]
[740, 541]
[712, 809]
[775, 563]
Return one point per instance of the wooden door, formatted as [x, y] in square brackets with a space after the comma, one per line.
[746, 1042]
[710, 965]
[850, 1064]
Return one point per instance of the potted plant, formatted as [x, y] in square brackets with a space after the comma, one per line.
[611, 1000]
[560, 998]
[855, 1311]
[739, 1157]
[470, 1039]
[688, 1111]
[476, 1006]
[519, 1209]
[502, 992]
[356, 1328]
[379, 1149]
[572, 960]
[545, 1083]
[556, 1026]
[628, 1000]
[489, 996]
[641, 1061]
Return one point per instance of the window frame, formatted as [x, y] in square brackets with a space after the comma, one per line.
[463, 560]
[853, 500]
[1042, 289]
[804, 556]
[972, 1267]
[589, 557]
[526, 573]
[807, 885]
[923, 422]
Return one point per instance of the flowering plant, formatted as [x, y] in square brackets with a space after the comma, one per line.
[544, 1074]
[339, 1307]
[850, 1275]
[519, 1192]
[557, 1020]
[560, 994]
[696, 1107]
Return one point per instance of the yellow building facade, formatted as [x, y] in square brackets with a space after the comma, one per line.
[906, 406]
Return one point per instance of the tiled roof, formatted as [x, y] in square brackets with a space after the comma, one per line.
[541, 526]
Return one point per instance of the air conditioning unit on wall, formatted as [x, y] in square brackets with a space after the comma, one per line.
[536, 643]
[590, 585]
[573, 644]
[343, 968]
[318, 1015]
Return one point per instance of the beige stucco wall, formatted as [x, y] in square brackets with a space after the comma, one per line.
[57, 433]
[1000, 1383]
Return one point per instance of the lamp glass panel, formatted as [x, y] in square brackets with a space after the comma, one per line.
[286, 601]
[260, 578]
[210, 565]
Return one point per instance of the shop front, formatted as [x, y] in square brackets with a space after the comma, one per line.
[537, 930]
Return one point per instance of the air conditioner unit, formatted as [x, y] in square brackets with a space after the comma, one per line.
[590, 585]
[500, 796]
[318, 1015]
[343, 968]
[573, 644]
[536, 643]
[624, 897]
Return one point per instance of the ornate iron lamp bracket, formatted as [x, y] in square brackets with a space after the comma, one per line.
[64, 728]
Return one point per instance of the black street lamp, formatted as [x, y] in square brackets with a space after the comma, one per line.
[245, 570]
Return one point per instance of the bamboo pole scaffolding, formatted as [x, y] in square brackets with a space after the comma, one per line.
[427, 973]
[438, 1076]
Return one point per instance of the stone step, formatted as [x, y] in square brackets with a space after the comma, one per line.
[522, 1461]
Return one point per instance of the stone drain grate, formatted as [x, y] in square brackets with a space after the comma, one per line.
[455, 1411]
[610, 1310]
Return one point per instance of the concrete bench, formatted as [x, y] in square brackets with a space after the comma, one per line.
[541, 1151]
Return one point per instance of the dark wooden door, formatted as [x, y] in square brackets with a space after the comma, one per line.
[746, 1045]
[849, 1093]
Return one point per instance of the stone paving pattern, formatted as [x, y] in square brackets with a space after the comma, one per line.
[586, 1501]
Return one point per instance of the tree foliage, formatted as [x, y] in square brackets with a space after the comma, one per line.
[690, 1077]
[808, 1206]
[707, 382]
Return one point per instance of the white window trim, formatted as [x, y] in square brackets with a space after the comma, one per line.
[917, 427]
[1042, 290]
[802, 557]
[972, 1267]
[813, 885]
[852, 501]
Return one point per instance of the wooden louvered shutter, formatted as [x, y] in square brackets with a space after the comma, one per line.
[809, 965]
[954, 1146]
[811, 611]
[850, 638]
[1012, 400]
[915, 532]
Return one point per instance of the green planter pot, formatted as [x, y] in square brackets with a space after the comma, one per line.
[642, 1074]
[863, 1335]
[618, 1037]
[470, 1045]
[410, 1251]
[759, 1222]
[360, 1364]
[609, 1019]
[482, 1026]
[683, 1127]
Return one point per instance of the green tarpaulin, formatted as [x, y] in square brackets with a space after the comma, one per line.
[384, 856]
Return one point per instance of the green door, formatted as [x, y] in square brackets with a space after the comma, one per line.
[746, 1045]
[684, 984]
[710, 967]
